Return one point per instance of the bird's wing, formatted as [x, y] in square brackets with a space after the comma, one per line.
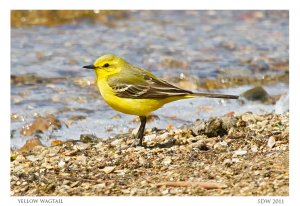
[136, 83]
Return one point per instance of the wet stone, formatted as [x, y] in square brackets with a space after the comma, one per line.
[41, 124]
[212, 127]
[88, 138]
[256, 94]
[30, 144]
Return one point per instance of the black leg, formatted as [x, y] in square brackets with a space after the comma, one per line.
[140, 133]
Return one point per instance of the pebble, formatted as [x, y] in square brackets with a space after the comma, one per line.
[54, 150]
[41, 124]
[20, 158]
[100, 186]
[99, 145]
[74, 184]
[149, 137]
[235, 160]
[81, 159]
[220, 146]
[167, 161]
[116, 142]
[142, 160]
[34, 158]
[256, 94]
[86, 138]
[83, 146]
[254, 148]
[30, 144]
[108, 169]
[249, 117]
[240, 152]
[61, 164]
[271, 142]
[227, 162]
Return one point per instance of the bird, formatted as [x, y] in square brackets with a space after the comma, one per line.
[135, 91]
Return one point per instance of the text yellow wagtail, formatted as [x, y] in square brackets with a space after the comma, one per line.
[132, 90]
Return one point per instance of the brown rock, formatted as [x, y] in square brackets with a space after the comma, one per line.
[41, 124]
[30, 144]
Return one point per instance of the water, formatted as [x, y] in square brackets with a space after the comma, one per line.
[204, 44]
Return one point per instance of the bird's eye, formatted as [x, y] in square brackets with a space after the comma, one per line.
[106, 65]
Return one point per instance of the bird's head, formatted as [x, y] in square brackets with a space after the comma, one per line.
[107, 65]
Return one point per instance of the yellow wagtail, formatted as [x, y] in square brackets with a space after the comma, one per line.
[132, 90]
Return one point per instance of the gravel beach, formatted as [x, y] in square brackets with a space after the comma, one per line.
[245, 155]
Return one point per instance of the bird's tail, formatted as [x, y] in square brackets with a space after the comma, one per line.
[212, 95]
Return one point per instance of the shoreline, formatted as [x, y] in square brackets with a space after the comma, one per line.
[245, 155]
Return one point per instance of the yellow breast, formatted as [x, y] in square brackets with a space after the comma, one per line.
[140, 107]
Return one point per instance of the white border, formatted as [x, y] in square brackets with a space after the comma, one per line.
[291, 5]
[146, 4]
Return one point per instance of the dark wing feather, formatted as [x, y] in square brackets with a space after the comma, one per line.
[140, 84]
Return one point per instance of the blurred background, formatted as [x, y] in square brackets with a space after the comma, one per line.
[234, 52]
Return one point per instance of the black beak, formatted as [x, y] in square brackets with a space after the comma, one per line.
[89, 66]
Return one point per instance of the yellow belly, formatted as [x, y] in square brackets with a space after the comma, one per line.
[140, 107]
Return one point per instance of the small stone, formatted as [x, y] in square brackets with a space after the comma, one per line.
[30, 144]
[83, 146]
[256, 94]
[116, 142]
[47, 165]
[149, 137]
[67, 159]
[120, 172]
[235, 160]
[99, 145]
[240, 152]
[56, 142]
[108, 169]
[138, 148]
[220, 146]
[74, 184]
[18, 168]
[167, 161]
[61, 164]
[164, 135]
[20, 158]
[227, 162]
[81, 159]
[165, 192]
[248, 117]
[254, 148]
[271, 142]
[86, 138]
[142, 160]
[41, 124]
[228, 122]
[34, 158]
[100, 186]
[53, 150]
